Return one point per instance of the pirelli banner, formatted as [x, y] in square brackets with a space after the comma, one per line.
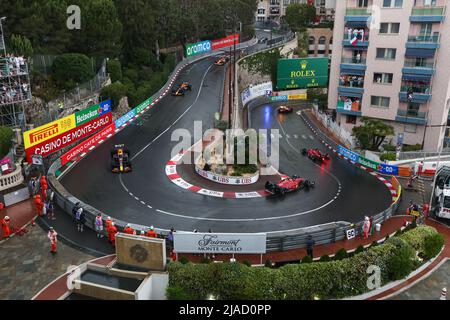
[54, 136]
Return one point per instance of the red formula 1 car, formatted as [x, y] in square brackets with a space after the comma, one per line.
[286, 185]
[315, 155]
[284, 109]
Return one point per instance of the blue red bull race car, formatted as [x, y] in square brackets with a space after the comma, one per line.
[120, 159]
[289, 184]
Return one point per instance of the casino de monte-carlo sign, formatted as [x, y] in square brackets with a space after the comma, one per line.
[226, 243]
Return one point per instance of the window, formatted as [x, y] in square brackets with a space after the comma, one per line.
[384, 78]
[389, 28]
[380, 102]
[411, 128]
[322, 40]
[351, 119]
[312, 40]
[363, 3]
[261, 11]
[387, 54]
[392, 3]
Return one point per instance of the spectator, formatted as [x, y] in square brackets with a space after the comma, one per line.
[170, 238]
[51, 210]
[129, 230]
[309, 246]
[80, 219]
[99, 226]
[151, 233]
[112, 231]
[6, 227]
[52, 236]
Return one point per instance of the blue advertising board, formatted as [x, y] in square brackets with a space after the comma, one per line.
[105, 106]
[125, 118]
[387, 169]
[348, 154]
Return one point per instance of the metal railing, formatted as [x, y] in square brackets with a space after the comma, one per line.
[348, 37]
[412, 114]
[353, 60]
[435, 11]
[419, 88]
[357, 12]
[414, 64]
[424, 38]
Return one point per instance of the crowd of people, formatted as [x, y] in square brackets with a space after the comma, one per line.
[351, 81]
[14, 92]
[11, 66]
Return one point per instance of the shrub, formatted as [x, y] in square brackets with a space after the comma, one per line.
[432, 245]
[374, 244]
[205, 260]
[325, 258]
[359, 249]
[114, 68]
[389, 147]
[401, 263]
[245, 262]
[71, 69]
[177, 293]
[6, 135]
[416, 147]
[115, 92]
[416, 237]
[307, 259]
[389, 156]
[184, 260]
[341, 254]
[268, 264]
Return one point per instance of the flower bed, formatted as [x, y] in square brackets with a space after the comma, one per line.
[335, 279]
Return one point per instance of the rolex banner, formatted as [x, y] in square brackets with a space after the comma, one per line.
[302, 73]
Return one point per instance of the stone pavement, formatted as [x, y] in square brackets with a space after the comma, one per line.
[27, 266]
[429, 288]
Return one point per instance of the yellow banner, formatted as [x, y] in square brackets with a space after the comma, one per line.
[48, 131]
[300, 96]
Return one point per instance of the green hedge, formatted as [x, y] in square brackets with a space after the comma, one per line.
[6, 135]
[323, 280]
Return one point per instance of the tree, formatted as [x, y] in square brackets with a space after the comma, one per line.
[300, 15]
[114, 68]
[114, 92]
[20, 45]
[71, 69]
[5, 140]
[372, 133]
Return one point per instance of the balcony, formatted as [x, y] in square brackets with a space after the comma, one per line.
[413, 70]
[411, 116]
[423, 42]
[421, 93]
[362, 43]
[427, 14]
[351, 86]
[353, 67]
[357, 15]
[352, 108]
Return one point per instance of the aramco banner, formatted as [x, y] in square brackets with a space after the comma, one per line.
[302, 73]
[225, 243]
[210, 45]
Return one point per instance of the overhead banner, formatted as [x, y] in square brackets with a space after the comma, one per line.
[85, 145]
[58, 142]
[198, 48]
[53, 129]
[375, 166]
[225, 42]
[302, 73]
[226, 243]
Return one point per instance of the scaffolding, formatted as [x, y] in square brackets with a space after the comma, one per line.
[15, 89]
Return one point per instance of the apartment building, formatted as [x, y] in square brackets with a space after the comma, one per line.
[273, 10]
[391, 61]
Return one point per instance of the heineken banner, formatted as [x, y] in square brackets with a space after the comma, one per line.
[302, 73]
[375, 166]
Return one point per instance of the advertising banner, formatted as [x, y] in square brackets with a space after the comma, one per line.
[225, 42]
[226, 243]
[198, 48]
[48, 131]
[93, 112]
[302, 73]
[143, 105]
[63, 140]
[225, 179]
[348, 154]
[125, 118]
[253, 92]
[85, 145]
[379, 167]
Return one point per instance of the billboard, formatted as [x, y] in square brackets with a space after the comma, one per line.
[125, 118]
[225, 42]
[57, 142]
[198, 48]
[225, 243]
[253, 92]
[302, 73]
[53, 129]
[85, 145]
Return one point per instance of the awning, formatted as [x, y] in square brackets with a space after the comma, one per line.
[420, 53]
[353, 72]
[416, 77]
[356, 24]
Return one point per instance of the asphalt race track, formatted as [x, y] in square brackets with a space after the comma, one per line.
[146, 196]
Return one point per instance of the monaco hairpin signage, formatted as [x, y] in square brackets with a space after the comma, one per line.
[226, 243]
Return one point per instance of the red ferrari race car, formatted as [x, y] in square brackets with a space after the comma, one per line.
[288, 185]
[222, 61]
[315, 155]
[284, 109]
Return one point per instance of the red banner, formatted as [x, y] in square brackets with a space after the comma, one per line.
[63, 140]
[85, 145]
[225, 42]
